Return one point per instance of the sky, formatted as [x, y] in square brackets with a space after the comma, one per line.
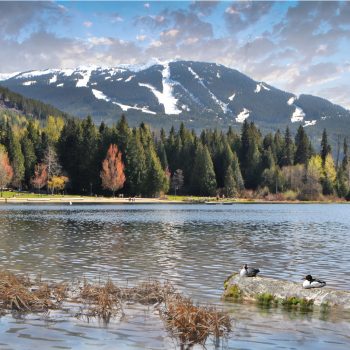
[300, 47]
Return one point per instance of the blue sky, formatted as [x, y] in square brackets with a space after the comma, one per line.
[301, 47]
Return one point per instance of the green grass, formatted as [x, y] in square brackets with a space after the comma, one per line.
[13, 194]
[233, 292]
[302, 304]
[266, 300]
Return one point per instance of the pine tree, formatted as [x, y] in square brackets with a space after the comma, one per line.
[325, 147]
[123, 134]
[288, 149]
[250, 155]
[230, 185]
[87, 150]
[135, 165]
[162, 155]
[302, 144]
[29, 158]
[203, 175]
[16, 159]
[69, 146]
[156, 179]
[278, 147]
[237, 173]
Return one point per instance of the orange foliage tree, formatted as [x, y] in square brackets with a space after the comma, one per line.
[6, 171]
[112, 173]
[39, 179]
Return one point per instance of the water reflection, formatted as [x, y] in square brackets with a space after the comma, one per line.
[195, 246]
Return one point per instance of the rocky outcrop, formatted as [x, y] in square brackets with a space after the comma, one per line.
[258, 288]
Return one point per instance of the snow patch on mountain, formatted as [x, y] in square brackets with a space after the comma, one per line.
[232, 96]
[82, 82]
[221, 104]
[126, 107]
[36, 73]
[291, 100]
[67, 72]
[28, 83]
[261, 86]
[60, 85]
[100, 95]
[5, 76]
[130, 78]
[309, 123]
[53, 79]
[166, 97]
[241, 117]
[193, 98]
[298, 115]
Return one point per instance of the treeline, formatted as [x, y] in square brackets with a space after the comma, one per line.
[28, 106]
[69, 154]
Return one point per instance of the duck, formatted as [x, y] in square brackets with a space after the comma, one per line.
[248, 271]
[310, 282]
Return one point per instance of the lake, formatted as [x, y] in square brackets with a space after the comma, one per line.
[194, 246]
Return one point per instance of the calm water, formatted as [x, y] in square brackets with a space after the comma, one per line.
[194, 246]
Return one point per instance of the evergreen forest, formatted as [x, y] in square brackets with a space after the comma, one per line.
[68, 155]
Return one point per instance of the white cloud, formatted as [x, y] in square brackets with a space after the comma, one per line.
[170, 33]
[147, 5]
[156, 43]
[141, 37]
[87, 24]
[100, 41]
[231, 10]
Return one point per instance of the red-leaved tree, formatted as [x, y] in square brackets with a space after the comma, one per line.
[112, 173]
[39, 179]
[6, 171]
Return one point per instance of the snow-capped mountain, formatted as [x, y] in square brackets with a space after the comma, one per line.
[200, 94]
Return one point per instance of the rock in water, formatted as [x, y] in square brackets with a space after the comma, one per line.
[237, 287]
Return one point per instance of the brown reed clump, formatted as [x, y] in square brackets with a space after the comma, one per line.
[148, 293]
[103, 300]
[194, 324]
[190, 324]
[60, 291]
[15, 294]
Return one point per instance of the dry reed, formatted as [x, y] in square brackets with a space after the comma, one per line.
[190, 324]
[194, 324]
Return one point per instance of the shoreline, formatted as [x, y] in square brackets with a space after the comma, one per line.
[105, 200]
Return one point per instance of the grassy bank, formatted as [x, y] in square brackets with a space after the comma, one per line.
[27, 197]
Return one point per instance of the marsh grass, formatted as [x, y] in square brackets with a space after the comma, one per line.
[190, 324]
[16, 293]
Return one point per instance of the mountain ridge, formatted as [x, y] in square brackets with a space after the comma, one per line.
[200, 94]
